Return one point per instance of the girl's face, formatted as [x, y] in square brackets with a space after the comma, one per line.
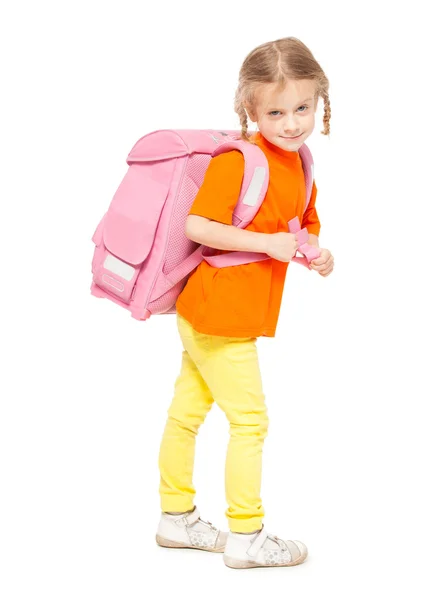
[286, 118]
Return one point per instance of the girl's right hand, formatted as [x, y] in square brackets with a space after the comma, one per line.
[282, 246]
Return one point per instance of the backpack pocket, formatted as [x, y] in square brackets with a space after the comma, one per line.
[127, 232]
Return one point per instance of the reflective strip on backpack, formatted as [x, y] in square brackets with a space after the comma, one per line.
[253, 192]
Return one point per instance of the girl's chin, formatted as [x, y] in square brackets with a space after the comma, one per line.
[292, 145]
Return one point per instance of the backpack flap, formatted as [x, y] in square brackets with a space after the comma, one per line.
[129, 230]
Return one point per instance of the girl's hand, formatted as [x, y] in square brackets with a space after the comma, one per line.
[324, 263]
[282, 246]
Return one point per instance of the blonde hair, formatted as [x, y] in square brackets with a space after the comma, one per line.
[277, 62]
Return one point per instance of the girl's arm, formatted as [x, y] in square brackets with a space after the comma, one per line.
[313, 240]
[225, 237]
[280, 246]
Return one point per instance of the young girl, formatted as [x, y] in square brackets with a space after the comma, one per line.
[221, 312]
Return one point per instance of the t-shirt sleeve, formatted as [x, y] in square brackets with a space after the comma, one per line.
[310, 218]
[220, 190]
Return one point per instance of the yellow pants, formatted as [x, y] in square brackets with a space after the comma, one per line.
[224, 370]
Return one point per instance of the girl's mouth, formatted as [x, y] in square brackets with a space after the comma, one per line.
[291, 138]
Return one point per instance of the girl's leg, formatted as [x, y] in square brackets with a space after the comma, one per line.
[230, 368]
[191, 403]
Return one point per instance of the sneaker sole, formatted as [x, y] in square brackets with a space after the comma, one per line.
[235, 563]
[170, 544]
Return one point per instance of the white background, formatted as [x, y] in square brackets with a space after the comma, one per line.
[355, 380]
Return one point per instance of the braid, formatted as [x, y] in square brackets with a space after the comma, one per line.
[242, 114]
[239, 109]
[327, 113]
[243, 121]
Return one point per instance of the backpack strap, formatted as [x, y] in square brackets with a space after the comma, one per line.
[255, 180]
[309, 252]
[308, 169]
[253, 191]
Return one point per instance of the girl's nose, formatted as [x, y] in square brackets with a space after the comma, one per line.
[291, 126]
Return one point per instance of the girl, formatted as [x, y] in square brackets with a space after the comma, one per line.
[221, 312]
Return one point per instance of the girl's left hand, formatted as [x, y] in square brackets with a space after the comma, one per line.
[324, 263]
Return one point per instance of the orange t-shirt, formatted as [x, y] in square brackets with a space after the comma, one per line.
[244, 300]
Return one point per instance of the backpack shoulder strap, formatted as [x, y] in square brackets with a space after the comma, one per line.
[253, 191]
[256, 177]
[255, 180]
[308, 169]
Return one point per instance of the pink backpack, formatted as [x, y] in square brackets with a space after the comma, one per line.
[142, 257]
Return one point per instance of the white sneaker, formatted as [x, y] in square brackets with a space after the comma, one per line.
[262, 550]
[189, 531]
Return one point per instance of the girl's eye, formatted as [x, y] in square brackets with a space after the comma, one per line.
[274, 113]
